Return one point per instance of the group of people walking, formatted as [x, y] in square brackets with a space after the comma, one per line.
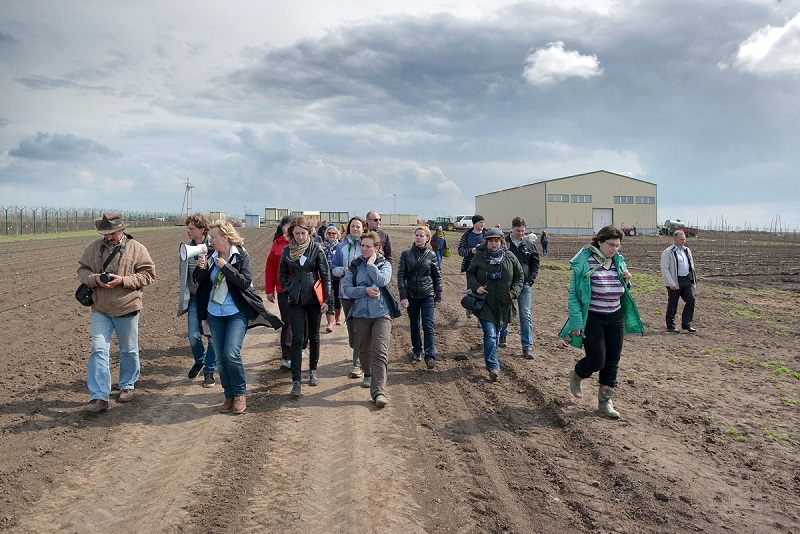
[345, 278]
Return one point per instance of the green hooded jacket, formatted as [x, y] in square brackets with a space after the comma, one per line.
[499, 306]
[580, 295]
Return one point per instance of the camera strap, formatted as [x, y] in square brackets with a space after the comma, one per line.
[114, 251]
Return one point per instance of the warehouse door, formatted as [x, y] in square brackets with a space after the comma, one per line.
[602, 217]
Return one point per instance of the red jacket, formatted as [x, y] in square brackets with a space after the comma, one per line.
[271, 282]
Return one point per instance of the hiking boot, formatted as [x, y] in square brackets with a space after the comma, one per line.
[239, 405]
[227, 406]
[208, 380]
[604, 404]
[96, 406]
[126, 395]
[494, 374]
[527, 354]
[431, 363]
[356, 372]
[381, 401]
[575, 384]
[296, 389]
[367, 382]
[313, 378]
[195, 370]
[286, 365]
[503, 342]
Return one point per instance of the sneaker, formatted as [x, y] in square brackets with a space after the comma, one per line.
[431, 363]
[313, 378]
[418, 357]
[296, 389]
[239, 405]
[195, 370]
[126, 395]
[527, 354]
[356, 372]
[227, 406]
[286, 365]
[494, 374]
[208, 380]
[367, 382]
[503, 342]
[381, 401]
[96, 405]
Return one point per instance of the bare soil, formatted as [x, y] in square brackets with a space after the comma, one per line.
[707, 441]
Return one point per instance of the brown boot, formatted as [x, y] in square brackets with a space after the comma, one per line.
[228, 406]
[239, 405]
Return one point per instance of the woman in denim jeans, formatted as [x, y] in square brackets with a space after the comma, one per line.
[420, 284]
[226, 299]
[496, 274]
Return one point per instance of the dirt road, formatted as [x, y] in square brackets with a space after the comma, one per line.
[707, 442]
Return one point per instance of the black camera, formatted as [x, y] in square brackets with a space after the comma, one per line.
[494, 276]
[105, 277]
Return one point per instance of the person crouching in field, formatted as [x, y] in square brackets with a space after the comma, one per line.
[204, 359]
[303, 262]
[601, 312]
[370, 313]
[227, 300]
[496, 274]
[420, 284]
[118, 268]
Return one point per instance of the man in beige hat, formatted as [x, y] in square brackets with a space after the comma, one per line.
[117, 301]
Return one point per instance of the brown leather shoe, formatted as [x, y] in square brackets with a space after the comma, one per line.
[239, 405]
[227, 407]
[126, 395]
[96, 406]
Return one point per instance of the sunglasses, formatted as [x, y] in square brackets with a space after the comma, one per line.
[378, 220]
[331, 233]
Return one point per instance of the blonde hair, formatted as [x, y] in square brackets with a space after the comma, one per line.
[376, 239]
[427, 232]
[228, 231]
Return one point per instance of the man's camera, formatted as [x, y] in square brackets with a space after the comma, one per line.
[105, 277]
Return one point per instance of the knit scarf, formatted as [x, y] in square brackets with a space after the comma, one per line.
[296, 250]
[496, 257]
[440, 234]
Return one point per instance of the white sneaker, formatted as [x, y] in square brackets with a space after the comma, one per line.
[286, 365]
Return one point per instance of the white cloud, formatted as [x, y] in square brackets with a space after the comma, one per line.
[554, 63]
[771, 50]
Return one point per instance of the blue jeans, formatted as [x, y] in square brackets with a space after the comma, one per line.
[228, 331]
[490, 334]
[525, 326]
[439, 258]
[424, 307]
[98, 373]
[203, 357]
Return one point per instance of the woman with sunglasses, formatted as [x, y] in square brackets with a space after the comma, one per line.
[498, 277]
[329, 245]
[601, 312]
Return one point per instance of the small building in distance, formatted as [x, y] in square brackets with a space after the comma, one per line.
[579, 204]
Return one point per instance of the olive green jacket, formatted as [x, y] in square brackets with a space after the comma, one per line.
[499, 306]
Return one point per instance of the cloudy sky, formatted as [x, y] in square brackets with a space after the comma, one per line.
[414, 106]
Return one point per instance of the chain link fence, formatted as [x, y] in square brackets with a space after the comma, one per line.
[28, 220]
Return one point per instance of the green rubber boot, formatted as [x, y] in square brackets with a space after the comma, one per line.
[575, 384]
[604, 402]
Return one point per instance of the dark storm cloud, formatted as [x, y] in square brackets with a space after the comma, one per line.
[68, 147]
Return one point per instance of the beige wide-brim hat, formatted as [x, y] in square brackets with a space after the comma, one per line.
[109, 223]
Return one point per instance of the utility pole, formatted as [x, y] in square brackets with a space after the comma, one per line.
[394, 209]
[187, 198]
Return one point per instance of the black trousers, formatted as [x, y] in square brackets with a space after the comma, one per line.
[286, 330]
[305, 320]
[602, 346]
[685, 291]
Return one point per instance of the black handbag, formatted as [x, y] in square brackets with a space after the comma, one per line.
[84, 294]
[472, 301]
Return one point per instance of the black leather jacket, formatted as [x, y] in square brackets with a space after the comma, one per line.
[528, 257]
[418, 275]
[298, 280]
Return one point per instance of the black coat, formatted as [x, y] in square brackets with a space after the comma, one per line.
[298, 280]
[238, 275]
[418, 275]
[528, 257]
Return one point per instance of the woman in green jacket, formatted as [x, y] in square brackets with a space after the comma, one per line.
[497, 275]
[601, 312]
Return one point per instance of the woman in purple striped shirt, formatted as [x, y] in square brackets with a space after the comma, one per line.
[601, 312]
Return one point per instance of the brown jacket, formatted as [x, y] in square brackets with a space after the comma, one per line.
[135, 267]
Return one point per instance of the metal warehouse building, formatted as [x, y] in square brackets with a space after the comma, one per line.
[579, 204]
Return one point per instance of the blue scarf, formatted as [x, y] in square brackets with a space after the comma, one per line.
[496, 258]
